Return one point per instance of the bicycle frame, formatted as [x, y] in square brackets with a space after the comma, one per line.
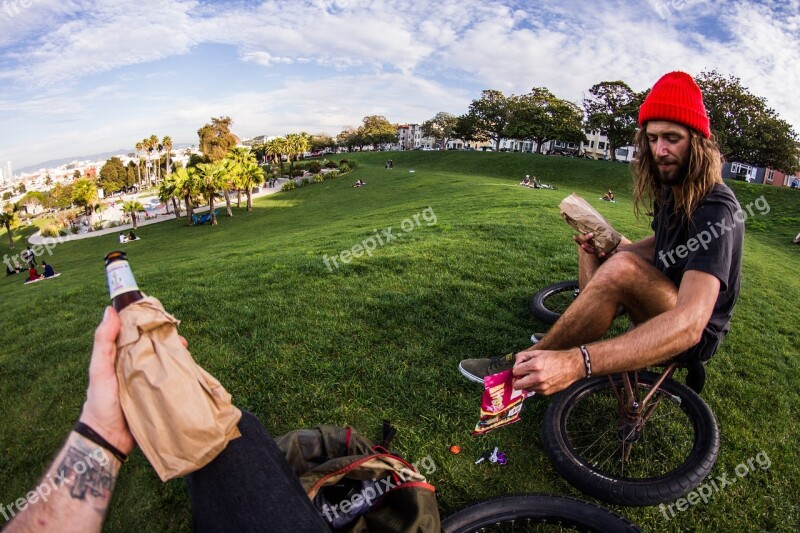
[634, 414]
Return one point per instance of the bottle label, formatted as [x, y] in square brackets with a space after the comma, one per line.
[120, 278]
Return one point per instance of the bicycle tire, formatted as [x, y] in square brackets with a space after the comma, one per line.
[548, 304]
[660, 474]
[535, 509]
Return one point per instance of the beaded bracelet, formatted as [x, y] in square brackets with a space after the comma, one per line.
[587, 362]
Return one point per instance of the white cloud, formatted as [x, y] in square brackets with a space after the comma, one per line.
[405, 59]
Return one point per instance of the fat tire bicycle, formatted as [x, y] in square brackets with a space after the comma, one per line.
[535, 512]
[637, 438]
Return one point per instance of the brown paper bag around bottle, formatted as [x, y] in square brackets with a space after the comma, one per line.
[180, 415]
[584, 218]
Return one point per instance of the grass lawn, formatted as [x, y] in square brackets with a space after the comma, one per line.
[299, 344]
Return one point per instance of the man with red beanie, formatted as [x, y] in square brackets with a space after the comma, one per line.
[679, 285]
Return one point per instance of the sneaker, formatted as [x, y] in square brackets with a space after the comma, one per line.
[536, 337]
[477, 369]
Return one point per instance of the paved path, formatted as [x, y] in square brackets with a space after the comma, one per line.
[37, 237]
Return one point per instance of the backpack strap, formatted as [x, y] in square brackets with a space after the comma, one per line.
[388, 434]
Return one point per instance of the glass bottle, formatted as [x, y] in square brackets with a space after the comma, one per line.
[122, 286]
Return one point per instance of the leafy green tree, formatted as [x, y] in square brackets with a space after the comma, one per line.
[540, 116]
[321, 141]
[487, 118]
[350, 138]
[8, 219]
[84, 194]
[252, 175]
[216, 138]
[132, 208]
[32, 200]
[466, 129]
[113, 176]
[376, 130]
[440, 127]
[747, 130]
[61, 196]
[613, 109]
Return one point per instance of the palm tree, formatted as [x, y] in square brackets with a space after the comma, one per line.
[210, 178]
[139, 149]
[277, 147]
[186, 184]
[8, 219]
[167, 192]
[153, 145]
[132, 207]
[235, 162]
[252, 174]
[146, 151]
[167, 142]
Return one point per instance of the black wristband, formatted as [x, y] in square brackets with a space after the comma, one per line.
[82, 429]
[587, 361]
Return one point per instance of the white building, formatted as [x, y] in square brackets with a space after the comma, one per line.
[9, 173]
[409, 136]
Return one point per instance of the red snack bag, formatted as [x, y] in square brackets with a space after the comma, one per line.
[501, 404]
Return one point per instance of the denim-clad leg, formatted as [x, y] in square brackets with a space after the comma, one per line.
[250, 487]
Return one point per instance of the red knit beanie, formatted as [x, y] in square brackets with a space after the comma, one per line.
[676, 98]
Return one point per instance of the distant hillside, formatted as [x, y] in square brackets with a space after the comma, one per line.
[93, 157]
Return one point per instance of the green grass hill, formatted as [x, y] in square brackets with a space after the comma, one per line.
[299, 342]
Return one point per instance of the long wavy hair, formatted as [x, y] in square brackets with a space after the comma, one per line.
[704, 171]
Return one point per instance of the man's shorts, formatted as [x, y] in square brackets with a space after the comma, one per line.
[705, 349]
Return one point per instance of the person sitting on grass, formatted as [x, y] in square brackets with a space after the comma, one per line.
[680, 303]
[33, 275]
[48, 270]
[526, 182]
[609, 196]
[359, 183]
[536, 183]
[132, 236]
[122, 238]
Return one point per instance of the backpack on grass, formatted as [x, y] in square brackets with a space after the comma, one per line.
[357, 486]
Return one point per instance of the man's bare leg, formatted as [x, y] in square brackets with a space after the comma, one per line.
[623, 279]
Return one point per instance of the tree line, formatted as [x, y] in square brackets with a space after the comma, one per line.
[746, 128]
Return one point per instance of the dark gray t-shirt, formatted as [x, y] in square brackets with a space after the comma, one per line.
[710, 242]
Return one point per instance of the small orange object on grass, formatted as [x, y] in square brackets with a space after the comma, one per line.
[455, 449]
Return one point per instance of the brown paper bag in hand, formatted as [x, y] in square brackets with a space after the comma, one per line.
[180, 416]
[579, 214]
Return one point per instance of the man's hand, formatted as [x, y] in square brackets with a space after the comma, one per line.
[102, 410]
[548, 371]
[584, 241]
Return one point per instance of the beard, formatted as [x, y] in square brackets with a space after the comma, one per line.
[675, 174]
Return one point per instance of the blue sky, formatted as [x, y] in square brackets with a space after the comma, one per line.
[88, 76]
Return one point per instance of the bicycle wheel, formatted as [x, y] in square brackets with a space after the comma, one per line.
[630, 462]
[549, 303]
[535, 512]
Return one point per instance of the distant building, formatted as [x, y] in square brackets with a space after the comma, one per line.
[409, 136]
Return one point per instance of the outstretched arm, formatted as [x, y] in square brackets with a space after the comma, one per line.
[74, 493]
